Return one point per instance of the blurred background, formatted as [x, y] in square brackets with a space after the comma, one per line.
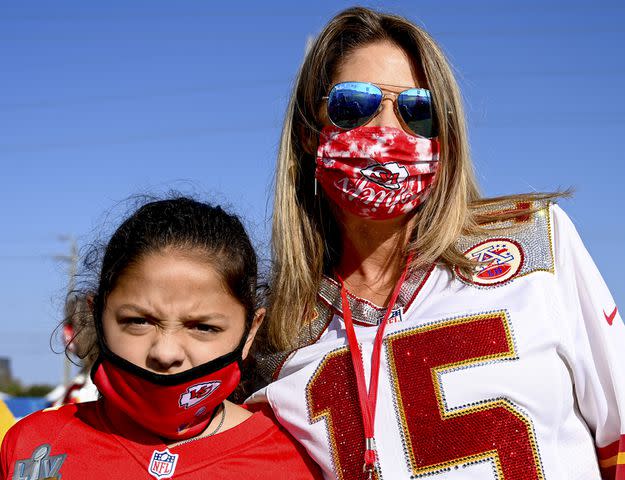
[103, 100]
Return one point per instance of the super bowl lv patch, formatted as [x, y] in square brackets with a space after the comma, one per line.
[499, 260]
[40, 465]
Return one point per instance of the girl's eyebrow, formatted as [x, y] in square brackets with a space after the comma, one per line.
[205, 318]
[190, 318]
[133, 307]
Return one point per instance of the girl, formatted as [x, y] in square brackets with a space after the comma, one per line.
[174, 311]
[427, 331]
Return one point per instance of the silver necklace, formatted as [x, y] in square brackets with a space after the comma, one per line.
[221, 421]
[217, 428]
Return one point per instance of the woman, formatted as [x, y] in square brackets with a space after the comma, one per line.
[175, 315]
[427, 331]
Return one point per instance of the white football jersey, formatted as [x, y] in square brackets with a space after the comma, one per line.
[517, 373]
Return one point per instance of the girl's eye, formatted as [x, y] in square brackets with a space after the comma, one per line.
[134, 322]
[137, 321]
[206, 328]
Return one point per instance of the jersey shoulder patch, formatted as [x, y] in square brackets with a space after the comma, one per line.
[512, 248]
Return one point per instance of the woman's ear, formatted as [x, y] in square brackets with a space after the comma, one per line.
[259, 316]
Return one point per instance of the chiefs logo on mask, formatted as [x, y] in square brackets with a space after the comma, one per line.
[389, 175]
[196, 393]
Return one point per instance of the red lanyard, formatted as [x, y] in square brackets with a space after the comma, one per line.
[369, 399]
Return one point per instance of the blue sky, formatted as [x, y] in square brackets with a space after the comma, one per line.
[103, 100]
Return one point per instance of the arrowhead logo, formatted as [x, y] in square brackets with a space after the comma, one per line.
[388, 175]
[196, 393]
[610, 318]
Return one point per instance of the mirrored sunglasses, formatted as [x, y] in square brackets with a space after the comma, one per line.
[353, 104]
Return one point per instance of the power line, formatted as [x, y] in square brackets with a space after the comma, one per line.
[174, 92]
[23, 335]
[513, 120]
[477, 9]
[591, 73]
[471, 34]
[156, 136]
[217, 89]
[511, 32]
[24, 257]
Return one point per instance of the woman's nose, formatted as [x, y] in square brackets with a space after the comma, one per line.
[166, 354]
[386, 116]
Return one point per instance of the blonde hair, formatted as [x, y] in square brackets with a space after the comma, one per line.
[305, 236]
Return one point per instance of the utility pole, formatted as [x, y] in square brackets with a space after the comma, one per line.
[72, 261]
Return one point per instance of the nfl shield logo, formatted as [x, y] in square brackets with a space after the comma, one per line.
[163, 464]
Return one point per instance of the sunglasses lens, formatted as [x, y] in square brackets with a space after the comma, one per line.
[352, 104]
[415, 108]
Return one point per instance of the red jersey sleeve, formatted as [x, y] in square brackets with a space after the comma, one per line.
[6, 451]
[288, 452]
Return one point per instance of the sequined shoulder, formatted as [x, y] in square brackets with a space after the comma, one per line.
[269, 365]
[511, 249]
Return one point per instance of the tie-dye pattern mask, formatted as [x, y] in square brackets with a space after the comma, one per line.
[377, 173]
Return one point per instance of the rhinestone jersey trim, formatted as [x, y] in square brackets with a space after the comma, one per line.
[363, 311]
[532, 233]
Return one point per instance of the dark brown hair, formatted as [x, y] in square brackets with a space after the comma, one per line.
[181, 225]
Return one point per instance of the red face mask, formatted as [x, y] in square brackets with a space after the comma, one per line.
[177, 406]
[377, 173]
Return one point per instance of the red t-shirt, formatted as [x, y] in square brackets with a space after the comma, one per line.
[89, 440]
